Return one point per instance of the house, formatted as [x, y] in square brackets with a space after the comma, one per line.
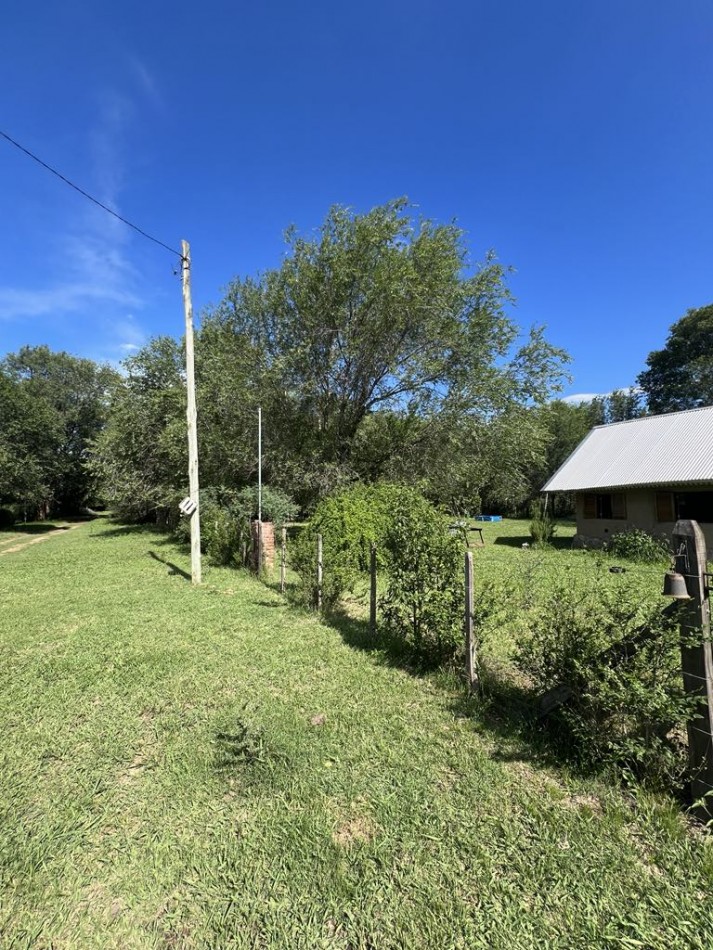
[643, 473]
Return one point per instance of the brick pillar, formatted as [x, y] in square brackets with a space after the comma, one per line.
[268, 544]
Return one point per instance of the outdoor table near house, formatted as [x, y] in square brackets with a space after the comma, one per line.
[466, 530]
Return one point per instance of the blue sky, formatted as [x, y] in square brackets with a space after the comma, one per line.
[574, 139]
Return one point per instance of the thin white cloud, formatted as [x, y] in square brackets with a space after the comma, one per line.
[588, 397]
[16, 303]
[98, 275]
[146, 82]
[577, 398]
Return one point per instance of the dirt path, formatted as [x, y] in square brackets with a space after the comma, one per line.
[43, 537]
[12, 537]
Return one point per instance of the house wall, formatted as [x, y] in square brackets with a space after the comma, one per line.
[640, 513]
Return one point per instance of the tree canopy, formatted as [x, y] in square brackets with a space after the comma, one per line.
[377, 322]
[680, 376]
[376, 350]
[52, 405]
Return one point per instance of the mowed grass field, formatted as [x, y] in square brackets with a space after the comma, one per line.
[209, 768]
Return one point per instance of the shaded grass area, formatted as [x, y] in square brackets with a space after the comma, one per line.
[206, 767]
[33, 527]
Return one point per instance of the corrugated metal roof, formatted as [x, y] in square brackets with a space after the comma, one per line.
[675, 448]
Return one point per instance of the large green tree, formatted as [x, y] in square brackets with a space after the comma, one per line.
[30, 433]
[53, 405]
[375, 350]
[680, 376]
[379, 314]
[140, 459]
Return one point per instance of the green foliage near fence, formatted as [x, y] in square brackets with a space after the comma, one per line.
[225, 520]
[423, 604]
[350, 521]
[618, 655]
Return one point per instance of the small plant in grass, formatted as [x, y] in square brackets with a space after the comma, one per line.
[542, 527]
[423, 604]
[638, 545]
[619, 657]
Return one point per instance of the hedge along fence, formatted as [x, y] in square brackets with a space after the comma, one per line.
[610, 650]
[407, 537]
[349, 522]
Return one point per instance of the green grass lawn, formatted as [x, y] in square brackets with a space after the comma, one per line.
[209, 768]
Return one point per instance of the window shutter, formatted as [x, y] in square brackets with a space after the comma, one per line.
[664, 506]
[590, 506]
[618, 505]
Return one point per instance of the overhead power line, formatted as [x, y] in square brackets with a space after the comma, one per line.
[87, 195]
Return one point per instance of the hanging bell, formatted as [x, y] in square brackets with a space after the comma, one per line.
[674, 585]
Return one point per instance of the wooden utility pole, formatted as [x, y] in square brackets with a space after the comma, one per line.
[470, 660]
[697, 659]
[319, 572]
[283, 560]
[191, 416]
[372, 591]
[259, 488]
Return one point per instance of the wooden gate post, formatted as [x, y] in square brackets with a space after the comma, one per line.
[319, 572]
[697, 658]
[283, 559]
[470, 660]
[372, 592]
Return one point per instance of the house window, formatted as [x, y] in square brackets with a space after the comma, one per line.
[696, 505]
[609, 505]
[691, 505]
[665, 506]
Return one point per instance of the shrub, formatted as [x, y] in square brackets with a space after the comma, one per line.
[619, 657]
[277, 507]
[423, 604]
[225, 520]
[542, 528]
[637, 545]
[350, 521]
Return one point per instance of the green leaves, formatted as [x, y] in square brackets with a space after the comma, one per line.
[680, 376]
[379, 314]
[51, 406]
[423, 604]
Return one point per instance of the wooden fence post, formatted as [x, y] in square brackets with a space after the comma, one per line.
[697, 659]
[283, 558]
[372, 597]
[470, 659]
[319, 572]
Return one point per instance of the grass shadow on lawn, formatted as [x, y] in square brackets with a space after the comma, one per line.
[559, 544]
[173, 568]
[506, 710]
[42, 527]
[509, 712]
[124, 530]
[386, 649]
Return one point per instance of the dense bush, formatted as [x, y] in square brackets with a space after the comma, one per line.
[225, 520]
[423, 604]
[637, 545]
[619, 657]
[350, 521]
[542, 527]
